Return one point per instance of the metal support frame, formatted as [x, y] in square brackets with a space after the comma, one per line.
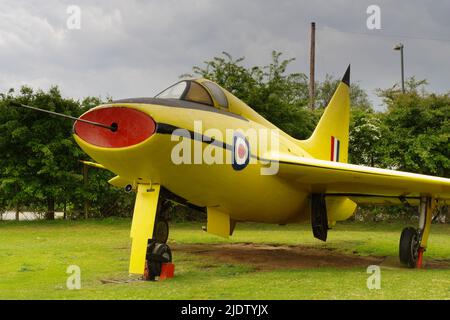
[426, 209]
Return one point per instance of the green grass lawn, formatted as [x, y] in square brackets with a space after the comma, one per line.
[34, 257]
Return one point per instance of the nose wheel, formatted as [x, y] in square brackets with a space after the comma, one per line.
[161, 230]
[159, 255]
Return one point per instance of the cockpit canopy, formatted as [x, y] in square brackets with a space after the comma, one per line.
[205, 92]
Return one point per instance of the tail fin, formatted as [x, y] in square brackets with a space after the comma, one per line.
[329, 140]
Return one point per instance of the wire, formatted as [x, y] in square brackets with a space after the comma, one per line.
[112, 127]
[386, 35]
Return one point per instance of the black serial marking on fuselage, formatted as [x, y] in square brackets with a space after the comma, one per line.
[177, 103]
[164, 128]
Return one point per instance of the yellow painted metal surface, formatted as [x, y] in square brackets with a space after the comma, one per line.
[240, 193]
[218, 223]
[334, 123]
[431, 205]
[340, 208]
[120, 182]
[94, 164]
[348, 179]
[142, 226]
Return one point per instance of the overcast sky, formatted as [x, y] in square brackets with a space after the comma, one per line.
[137, 48]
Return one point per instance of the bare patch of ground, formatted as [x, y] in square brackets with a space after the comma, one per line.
[270, 257]
[264, 257]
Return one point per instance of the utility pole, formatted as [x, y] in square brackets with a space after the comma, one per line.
[312, 54]
[403, 69]
[399, 47]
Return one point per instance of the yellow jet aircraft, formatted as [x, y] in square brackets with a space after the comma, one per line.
[162, 148]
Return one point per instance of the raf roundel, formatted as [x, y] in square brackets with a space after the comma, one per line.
[240, 151]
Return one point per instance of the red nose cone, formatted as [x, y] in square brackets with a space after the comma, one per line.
[133, 126]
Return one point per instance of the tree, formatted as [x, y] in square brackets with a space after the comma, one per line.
[40, 168]
[326, 89]
[366, 134]
[417, 131]
[39, 161]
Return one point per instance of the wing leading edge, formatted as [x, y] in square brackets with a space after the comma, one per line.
[359, 182]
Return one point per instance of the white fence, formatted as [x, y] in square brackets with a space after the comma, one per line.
[23, 216]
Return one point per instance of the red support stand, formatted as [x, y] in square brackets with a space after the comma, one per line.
[167, 271]
[146, 275]
[420, 258]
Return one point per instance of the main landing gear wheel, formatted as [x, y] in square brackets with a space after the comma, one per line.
[161, 231]
[409, 247]
[413, 242]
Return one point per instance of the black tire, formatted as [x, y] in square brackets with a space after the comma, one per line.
[157, 254]
[409, 247]
[161, 231]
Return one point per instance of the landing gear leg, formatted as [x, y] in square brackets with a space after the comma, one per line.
[147, 255]
[413, 242]
[142, 225]
[319, 217]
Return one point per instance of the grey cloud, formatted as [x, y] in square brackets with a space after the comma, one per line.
[136, 48]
